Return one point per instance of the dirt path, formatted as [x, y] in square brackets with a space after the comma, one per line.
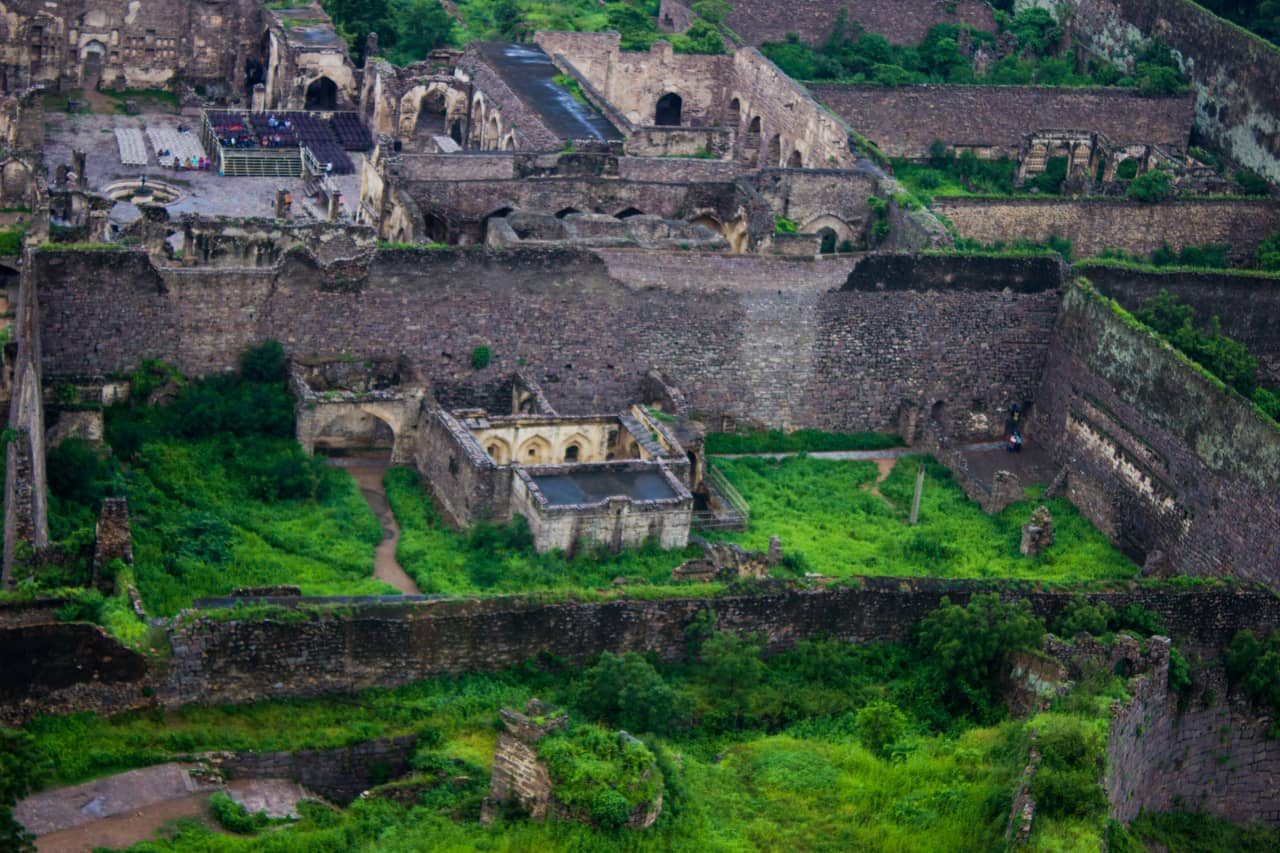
[368, 473]
[125, 830]
[883, 468]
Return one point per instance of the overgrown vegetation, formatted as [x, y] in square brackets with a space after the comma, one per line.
[1221, 355]
[1261, 17]
[797, 441]
[830, 521]
[407, 29]
[1203, 256]
[1020, 246]
[826, 746]
[220, 495]
[1254, 665]
[851, 54]
[11, 239]
[1185, 832]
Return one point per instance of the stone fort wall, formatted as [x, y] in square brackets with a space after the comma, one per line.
[1246, 305]
[765, 339]
[904, 120]
[900, 21]
[228, 661]
[1176, 471]
[1233, 71]
[1097, 223]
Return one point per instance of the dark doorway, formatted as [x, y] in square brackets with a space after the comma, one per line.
[828, 246]
[322, 94]
[628, 213]
[667, 113]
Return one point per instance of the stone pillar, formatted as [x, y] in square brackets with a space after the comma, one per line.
[112, 538]
[78, 166]
[335, 206]
[259, 99]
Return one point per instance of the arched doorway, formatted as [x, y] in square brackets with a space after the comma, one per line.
[774, 157]
[322, 94]
[91, 72]
[667, 112]
[796, 161]
[431, 113]
[498, 449]
[434, 228]
[534, 451]
[733, 115]
[828, 244]
[561, 214]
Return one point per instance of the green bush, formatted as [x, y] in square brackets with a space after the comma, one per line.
[1151, 187]
[1127, 170]
[1254, 665]
[233, 817]
[1251, 183]
[880, 724]
[1050, 180]
[783, 225]
[628, 693]
[263, 362]
[970, 647]
[1268, 253]
[1082, 617]
[480, 357]
[797, 441]
[587, 761]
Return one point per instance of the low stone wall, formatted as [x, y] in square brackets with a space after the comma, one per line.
[226, 661]
[1096, 224]
[999, 117]
[339, 774]
[1247, 305]
[1180, 473]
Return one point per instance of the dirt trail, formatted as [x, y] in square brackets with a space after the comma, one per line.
[368, 473]
[121, 831]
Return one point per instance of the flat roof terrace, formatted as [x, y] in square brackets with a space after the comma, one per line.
[585, 487]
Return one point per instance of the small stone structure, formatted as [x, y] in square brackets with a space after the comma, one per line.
[1037, 534]
[728, 561]
[112, 539]
[520, 778]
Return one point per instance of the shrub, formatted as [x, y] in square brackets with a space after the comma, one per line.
[970, 646]
[85, 606]
[588, 761]
[1151, 188]
[232, 816]
[480, 357]
[263, 362]
[1050, 180]
[628, 692]
[1081, 617]
[1268, 254]
[880, 724]
[1251, 183]
[783, 225]
[1127, 170]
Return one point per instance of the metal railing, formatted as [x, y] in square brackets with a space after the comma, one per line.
[735, 513]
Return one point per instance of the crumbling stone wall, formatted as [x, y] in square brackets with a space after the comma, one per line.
[759, 339]
[900, 21]
[904, 121]
[1233, 71]
[1175, 470]
[1095, 224]
[339, 774]
[1213, 755]
[228, 661]
[1247, 305]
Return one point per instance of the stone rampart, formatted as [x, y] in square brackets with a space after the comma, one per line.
[1247, 305]
[763, 339]
[227, 661]
[1176, 470]
[903, 121]
[1212, 756]
[1096, 224]
[1233, 71]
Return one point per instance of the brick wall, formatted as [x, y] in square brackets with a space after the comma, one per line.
[1246, 305]
[758, 338]
[1096, 224]
[904, 120]
[1161, 459]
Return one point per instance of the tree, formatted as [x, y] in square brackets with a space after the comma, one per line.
[420, 27]
[713, 11]
[701, 37]
[20, 766]
[880, 724]
[508, 19]
[263, 362]
[970, 646]
[1269, 252]
[629, 693]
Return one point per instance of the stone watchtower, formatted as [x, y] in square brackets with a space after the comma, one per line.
[518, 776]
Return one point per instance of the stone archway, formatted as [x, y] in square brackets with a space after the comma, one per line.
[92, 57]
[668, 109]
[322, 94]
[498, 449]
[534, 451]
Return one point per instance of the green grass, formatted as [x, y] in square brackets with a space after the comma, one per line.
[799, 441]
[824, 511]
[200, 529]
[793, 773]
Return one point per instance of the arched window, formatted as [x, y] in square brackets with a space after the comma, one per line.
[561, 214]
[755, 125]
[796, 162]
[571, 453]
[667, 112]
[322, 94]
[774, 157]
[628, 213]
[734, 115]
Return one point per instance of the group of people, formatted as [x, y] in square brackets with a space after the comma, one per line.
[202, 164]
